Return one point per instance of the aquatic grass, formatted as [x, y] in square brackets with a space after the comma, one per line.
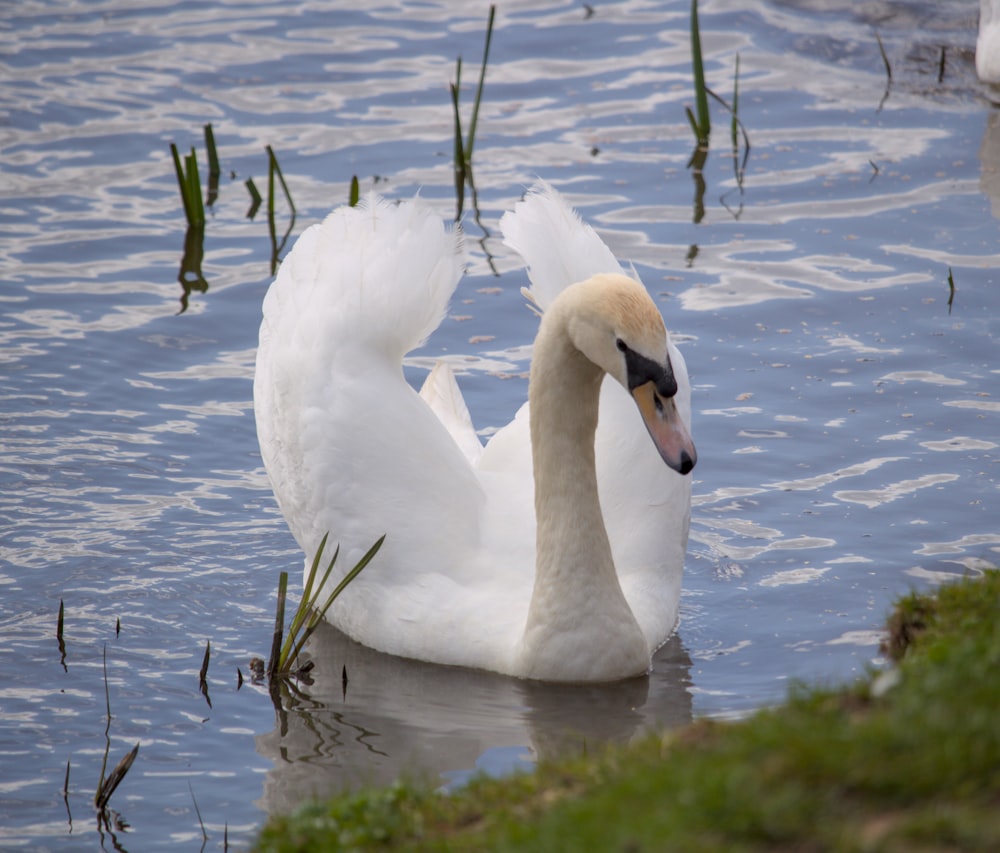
[737, 129]
[951, 289]
[274, 171]
[213, 166]
[274, 658]
[310, 612]
[701, 124]
[203, 674]
[110, 784]
[197, 811]
[59, 636]
[734, 122]
[65, 796]
[189, 184]
[354, 194]
[914, 768]
[885, 58]
[888, 71]
[255, 198]
[107, 785]
[463, 149]
[474, 121]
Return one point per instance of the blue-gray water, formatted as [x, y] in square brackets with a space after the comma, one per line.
[846, 415]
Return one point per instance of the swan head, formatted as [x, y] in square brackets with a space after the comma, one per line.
[617, 326]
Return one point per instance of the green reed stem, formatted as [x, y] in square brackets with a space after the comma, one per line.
[213, 154]
[279, 626]
[703, 124]
[474, 121]
[275, 169]
[318, 613]
[255, 198]
[189, 185]
[734, 122]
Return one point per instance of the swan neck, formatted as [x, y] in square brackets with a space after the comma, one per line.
[579, 625]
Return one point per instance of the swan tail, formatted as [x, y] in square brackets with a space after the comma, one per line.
[558, 248]
[379, 272]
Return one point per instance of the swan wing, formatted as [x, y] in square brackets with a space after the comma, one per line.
[557, 246]
[349, 446]
[441, 393]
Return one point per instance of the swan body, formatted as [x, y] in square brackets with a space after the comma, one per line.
[988, 42]
[554, 552]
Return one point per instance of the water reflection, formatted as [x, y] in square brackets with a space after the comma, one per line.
[396, 716]
[190, 276]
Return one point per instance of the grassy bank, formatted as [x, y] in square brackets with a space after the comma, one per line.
[905, 761]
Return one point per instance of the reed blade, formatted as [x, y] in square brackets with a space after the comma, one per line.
[704, 123]
[474, 120]
[734, 123]
[212, 152]
[305, 603]
[274, 170]
[885, 58]
[279, 623]
[193, 181]
[197, 811]
[182, 186]
[114, 779]
[255, 198]
[459, 154]
[318, 614]
[204, 664]
[213, 166]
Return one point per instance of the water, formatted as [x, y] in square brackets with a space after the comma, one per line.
[845, 413]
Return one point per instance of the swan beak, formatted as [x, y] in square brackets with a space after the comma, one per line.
[666, 428]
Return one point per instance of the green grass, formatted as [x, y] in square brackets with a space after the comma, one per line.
[904, 762]
[189, 185]
[463, 148]
[700, 118]
[701, 123]
[274, 171]
[214, 170]
[285, 650]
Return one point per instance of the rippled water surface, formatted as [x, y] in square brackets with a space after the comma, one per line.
[846, 400]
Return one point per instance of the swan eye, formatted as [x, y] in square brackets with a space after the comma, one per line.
[622, 346]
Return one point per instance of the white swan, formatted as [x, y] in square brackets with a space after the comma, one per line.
[988, 42]
[350, 448]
